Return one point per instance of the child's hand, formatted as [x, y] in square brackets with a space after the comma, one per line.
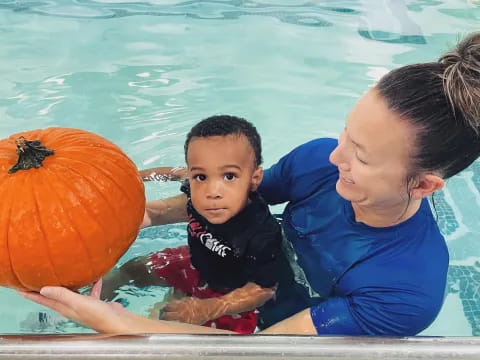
[192, 310]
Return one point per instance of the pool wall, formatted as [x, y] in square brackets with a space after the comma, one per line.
[96, 346]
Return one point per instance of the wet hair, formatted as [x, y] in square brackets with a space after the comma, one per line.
[223, 125]
[441, 101]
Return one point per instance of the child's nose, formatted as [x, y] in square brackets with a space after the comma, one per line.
[214, 190]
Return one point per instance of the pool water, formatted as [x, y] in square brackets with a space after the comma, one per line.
[142, 73]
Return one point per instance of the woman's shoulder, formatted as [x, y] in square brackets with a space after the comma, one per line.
[318, 147]
[300, 172]
[310, 156]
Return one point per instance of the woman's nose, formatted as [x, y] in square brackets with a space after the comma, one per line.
[339, 157]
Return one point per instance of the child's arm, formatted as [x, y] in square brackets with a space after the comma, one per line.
[246, 298]
[164, 174]
[197, 311]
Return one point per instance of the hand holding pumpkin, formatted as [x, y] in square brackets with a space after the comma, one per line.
[106, 317]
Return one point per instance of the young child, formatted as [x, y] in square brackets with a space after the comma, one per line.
[230, 265]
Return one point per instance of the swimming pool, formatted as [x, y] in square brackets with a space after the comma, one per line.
[141, 73]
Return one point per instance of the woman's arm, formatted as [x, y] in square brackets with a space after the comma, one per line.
[299, 324]
[197, 311]
[112, 318]
[166, 211]
[164, 174]
[107, 317]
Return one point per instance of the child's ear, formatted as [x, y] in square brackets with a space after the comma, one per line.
[426, 185]
[256, 178]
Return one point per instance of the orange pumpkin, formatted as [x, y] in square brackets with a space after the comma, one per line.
[71, 205]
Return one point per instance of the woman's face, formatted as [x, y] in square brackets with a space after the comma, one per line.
[373, 154]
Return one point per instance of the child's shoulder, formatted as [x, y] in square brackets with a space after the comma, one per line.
[262, 225]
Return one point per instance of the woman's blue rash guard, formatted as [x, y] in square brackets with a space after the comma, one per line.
[356, 279]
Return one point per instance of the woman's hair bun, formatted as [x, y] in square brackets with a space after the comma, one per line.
[461, 79]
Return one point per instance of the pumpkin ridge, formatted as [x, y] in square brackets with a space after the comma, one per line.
[113, 209]
[105, 173]
[110, 150]
[84, 206]
[93, 184]
[81, 147]
[82, 140]
[114, 180]
[14, 274]
[67, 215]
[42, 228]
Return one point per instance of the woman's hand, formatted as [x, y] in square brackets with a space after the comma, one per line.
[147, 221]
[191, 310]
[164, 174]
[88, 310]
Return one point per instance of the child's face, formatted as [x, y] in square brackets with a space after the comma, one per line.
[222, 172]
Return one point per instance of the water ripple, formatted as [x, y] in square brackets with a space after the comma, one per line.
[306, 14]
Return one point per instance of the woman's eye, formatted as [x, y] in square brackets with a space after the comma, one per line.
[200, 177]
[230, 176]
[362, 161]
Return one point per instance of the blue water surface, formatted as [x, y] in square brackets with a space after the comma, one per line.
[141, 73]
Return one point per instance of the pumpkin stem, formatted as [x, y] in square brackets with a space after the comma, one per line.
[30, 154]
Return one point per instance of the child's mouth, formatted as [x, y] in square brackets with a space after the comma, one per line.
[215, 211]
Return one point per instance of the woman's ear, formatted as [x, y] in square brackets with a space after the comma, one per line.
[257, 177]
[426, 185]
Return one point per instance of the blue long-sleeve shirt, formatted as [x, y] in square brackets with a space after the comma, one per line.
[356, 279]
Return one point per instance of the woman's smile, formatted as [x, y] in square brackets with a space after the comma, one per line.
[345, 180]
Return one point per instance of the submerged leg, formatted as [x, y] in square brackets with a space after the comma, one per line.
[137, 271]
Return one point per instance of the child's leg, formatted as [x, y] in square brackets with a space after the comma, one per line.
[173, 265]
[243, 323]
[156, 311]
[136, 271]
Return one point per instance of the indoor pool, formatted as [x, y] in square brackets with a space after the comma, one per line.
[141, 73]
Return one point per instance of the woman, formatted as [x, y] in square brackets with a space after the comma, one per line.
[370, 257]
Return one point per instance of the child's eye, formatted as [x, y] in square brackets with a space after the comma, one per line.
[229, 176]
[200, 177]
